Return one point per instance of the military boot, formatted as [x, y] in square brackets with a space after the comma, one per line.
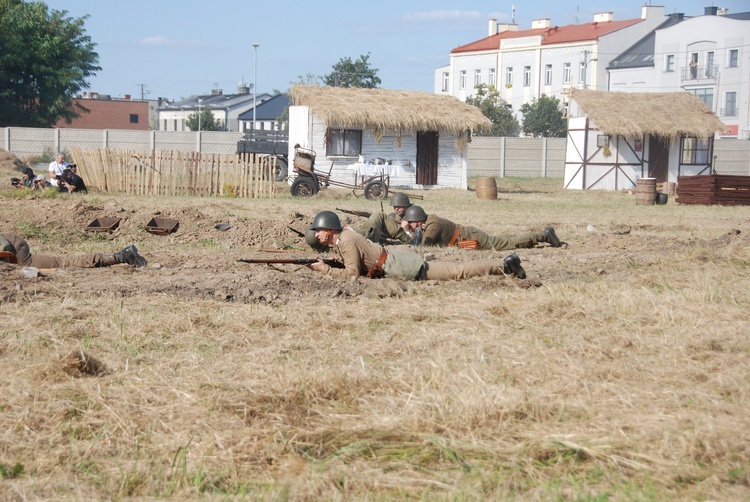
[551, 238]
[130, 256]
[107, 260]
[512, 266]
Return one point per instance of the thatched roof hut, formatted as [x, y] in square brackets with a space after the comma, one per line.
[387, 109]
[666, 114]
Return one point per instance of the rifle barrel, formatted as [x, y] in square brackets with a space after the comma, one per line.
[294, 261]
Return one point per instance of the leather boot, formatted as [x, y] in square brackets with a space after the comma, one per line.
[551, 238]
[130, 256]
[108, 260]
[512, 266]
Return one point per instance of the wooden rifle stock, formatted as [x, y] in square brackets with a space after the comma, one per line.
[295, 261]
[363, 214]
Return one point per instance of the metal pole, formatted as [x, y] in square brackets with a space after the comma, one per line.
[255, 79]
[199, 114]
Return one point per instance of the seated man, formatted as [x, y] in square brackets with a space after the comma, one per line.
[56, 168]
[362, 257]
[71, 182]
[438, 231]
[15, 249]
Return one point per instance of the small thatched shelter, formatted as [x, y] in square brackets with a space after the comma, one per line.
[425, 135]
[614, 138]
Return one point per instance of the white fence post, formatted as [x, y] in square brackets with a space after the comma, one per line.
[544, 157]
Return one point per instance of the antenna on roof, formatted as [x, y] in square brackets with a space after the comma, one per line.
[578, 8]
[513, 14]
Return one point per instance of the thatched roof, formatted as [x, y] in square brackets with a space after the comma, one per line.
[668, 114]
[389, 109]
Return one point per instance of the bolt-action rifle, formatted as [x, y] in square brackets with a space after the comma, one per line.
[363, 214]
[332, 262]
[299, 234]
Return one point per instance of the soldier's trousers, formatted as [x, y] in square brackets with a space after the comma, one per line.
[447, 271]
[25, 258]
[500, 242]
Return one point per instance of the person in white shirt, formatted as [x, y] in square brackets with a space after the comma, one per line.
[56, 168]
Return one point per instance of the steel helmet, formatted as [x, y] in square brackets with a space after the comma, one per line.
[415, 213]
[326, 220]
[314, 242]
[400, 199]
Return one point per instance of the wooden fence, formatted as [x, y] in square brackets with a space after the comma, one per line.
[171, 172]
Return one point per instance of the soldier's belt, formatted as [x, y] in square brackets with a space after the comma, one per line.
[377, 269]
[454, 239]
[468, 244]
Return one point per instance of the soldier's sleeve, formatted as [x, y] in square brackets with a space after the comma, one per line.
[352, 261]
[431, 234]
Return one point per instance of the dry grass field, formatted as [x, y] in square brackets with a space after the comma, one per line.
[618, 370]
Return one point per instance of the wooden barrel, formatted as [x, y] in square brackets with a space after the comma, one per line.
[487, 188]
[645, 192]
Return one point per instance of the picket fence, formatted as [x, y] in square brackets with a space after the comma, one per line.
[172, 172]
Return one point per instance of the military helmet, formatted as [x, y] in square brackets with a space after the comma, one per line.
[326, 220]
[400, 199]
[415, 213]
[314, 242]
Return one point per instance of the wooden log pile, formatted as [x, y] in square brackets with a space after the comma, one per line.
[714, 189]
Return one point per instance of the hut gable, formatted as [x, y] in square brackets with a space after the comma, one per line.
[666, 114]
[387, 109]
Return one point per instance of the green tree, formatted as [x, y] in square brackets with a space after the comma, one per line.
[207, 123]
[348, 73]
[542, 118]
[45, 60]
[488, 100]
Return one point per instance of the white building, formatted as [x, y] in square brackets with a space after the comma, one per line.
[718, 42]
[226, 108]
[546, 59]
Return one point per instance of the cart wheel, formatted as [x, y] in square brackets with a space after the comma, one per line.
[304, 187]
[281, 169]
[376, 190]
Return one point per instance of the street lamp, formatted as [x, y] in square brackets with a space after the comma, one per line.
[255, 79]
[199, 114]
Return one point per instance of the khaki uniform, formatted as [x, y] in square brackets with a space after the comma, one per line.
[438, 231]
[21, 249]
[380, 227]
[360, 255]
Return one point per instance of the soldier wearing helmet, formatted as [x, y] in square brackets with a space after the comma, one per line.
[400, 203]
[437, 231]
[362, 257]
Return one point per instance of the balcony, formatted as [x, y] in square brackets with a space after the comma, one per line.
[701, 74]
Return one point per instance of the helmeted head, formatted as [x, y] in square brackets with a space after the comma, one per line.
[414, 214]
[326, 220]
[400, 202]
[313, 241]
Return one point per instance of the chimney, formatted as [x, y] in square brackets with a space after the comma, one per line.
[243, 88]
[710, 11]
[502, 28]
[492, 27]
[540, 24]
[652, 11]
[723, 12]
[603, 17]
[127, 97]
[216, 92]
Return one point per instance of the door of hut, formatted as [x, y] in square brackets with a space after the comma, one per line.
[658, 158]
[427, 157]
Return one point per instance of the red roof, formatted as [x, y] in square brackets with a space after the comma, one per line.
[551, 35]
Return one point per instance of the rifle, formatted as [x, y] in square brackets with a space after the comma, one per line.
[300, 234]
[333, 262]
[363, 214]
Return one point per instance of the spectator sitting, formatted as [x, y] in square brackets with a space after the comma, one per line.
[40, 183]
[28, 177]
[70, 182]
[56, 168]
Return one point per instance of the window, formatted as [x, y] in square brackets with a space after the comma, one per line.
[582, 73]
[730, 104]
[491, 80]
[343, 142]
[133, 118]
[477, 77]
[548, 74]
[508, 76]
[706, 95]
[733, 57]
[446, 80]
[175, 124]
[566, 73]
[695, 150]
[462, 80]
[710, 70]
[526, 76]
[669, 62]
[165, 125]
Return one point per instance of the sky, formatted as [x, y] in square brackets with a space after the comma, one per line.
[176, 49]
